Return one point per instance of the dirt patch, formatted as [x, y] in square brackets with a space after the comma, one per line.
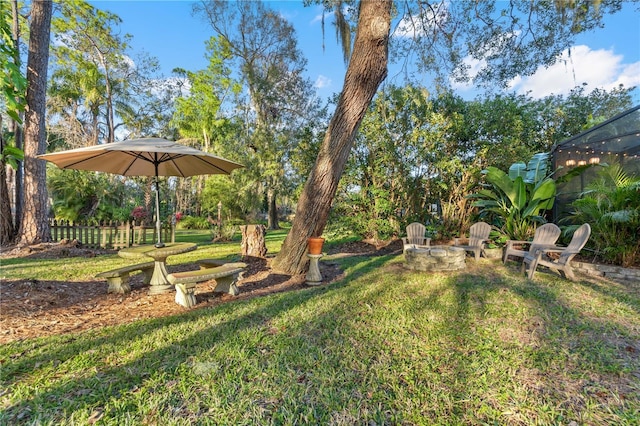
[33, 308]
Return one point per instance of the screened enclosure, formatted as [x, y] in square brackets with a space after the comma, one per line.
[615, 141]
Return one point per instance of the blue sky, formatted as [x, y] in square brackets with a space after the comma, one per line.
[168, 31]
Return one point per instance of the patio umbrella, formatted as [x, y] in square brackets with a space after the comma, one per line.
[143, 157]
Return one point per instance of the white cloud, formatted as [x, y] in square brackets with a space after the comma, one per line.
[601, 69]
[629, 76]
[597, 69]
[322, 82]
[319, 17]
[473, 68]
[129, 61]
[409, 27]
[171, 83]
[418, 25]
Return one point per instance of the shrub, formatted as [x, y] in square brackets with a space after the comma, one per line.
[515, 203]
[226, 232]
[139, 213]
[193, 222]
[611, 205]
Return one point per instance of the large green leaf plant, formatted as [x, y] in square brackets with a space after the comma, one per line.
[515, 202]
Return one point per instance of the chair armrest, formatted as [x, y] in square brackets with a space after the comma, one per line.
[510, 243]
[550, 249]
[541, 250]
[517, 242]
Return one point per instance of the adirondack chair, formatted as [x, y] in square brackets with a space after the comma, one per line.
[478, 236]
[545, 236]
[561, 265]
[415, 237]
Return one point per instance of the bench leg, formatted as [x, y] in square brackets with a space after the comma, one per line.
[227, 285]
[119, 284]
[185, 295]
[148, 273]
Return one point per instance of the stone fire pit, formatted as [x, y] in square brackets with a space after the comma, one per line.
[435, 258]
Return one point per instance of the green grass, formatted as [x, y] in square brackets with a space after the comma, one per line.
[81, 268]
[383, 346]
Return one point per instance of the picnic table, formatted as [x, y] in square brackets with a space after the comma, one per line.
[159, 282]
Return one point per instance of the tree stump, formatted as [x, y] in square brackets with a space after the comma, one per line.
[253, 242]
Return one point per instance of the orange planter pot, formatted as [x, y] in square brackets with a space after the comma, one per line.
[315, 245]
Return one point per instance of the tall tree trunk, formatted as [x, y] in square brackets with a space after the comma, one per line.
[367, 69]
[18, 195]
[272, 216]
[148, 200]
[7, 198]
[34, 227]
[7, 228]
[16, 177]
[96, 130]
[111, 137]
[200, 180]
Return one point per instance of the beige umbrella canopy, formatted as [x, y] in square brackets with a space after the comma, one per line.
[143, 157]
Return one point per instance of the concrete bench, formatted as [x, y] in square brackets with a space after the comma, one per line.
[225, 275]
[118, 279]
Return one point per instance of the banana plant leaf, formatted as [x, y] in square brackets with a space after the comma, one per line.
[537, 168]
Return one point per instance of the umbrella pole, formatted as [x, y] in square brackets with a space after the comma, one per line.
[159, 243]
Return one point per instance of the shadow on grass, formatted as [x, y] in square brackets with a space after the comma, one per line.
[128, 375]
[568, 340]
[582, 357]
[24, 358]
[626, 293]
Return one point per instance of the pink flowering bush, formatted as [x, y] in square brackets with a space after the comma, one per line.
[139, 213]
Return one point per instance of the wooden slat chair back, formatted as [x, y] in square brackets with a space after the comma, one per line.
[415, 236]
[545, 235]
[478, 236]
[563, 263]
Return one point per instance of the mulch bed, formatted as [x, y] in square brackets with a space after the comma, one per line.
[33, 308]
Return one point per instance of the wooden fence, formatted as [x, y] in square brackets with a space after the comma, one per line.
[111, 235]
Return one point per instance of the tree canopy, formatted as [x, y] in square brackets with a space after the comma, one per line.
[401, 147]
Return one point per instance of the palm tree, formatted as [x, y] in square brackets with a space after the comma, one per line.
[611, 205]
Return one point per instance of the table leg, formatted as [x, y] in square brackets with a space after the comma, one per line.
[159, 283]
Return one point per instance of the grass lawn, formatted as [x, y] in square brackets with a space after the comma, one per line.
[385, 345]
